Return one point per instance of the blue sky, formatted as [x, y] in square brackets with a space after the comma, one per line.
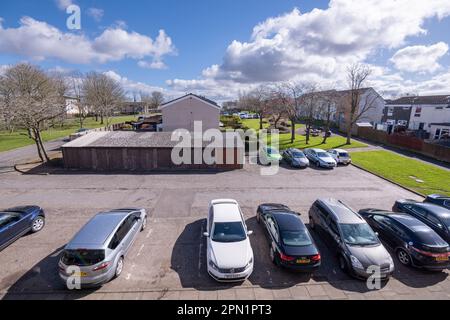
[210, 46]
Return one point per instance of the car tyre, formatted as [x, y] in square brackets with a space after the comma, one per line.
[37, 224]
[144, 224]
[119, 267]
[258, 218]
[312, 224]
[403, 257]
[343, 265]
[274, 257]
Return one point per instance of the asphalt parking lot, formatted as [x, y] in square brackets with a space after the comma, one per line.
[168, 259]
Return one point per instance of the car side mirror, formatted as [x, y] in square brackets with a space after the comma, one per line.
[377, 234]
[206, 234]
[249, 233]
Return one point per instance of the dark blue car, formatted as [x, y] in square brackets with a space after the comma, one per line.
[16, 222]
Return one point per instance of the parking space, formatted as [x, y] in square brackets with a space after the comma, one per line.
[168, 260]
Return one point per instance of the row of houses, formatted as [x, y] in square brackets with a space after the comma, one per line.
[427, 116]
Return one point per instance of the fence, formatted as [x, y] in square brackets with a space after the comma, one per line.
[410, 143]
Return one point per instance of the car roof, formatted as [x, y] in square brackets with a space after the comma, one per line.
[226, 212]
[435, 209]
[438, 197]
[98, 229]
[342, 212]
[340, 150]
[317, 150]
[288, 220]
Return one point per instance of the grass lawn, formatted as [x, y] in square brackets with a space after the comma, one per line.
[254, 124]
[316, 142]
[17, 139]
[405, 171]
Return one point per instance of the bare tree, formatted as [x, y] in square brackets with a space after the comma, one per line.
[153, 100]
[326, 108]
[103, 93]
[291, 99]
[308, 107]
[355, 105]
[256, 101]
[32, 98]
[75, 87]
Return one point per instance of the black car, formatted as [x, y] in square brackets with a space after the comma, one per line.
[415, 243]
[436, 217]
[291, 244]
[439, 200]
[16, 222]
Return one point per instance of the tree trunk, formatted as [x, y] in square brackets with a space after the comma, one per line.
[292, 130]
[349, 134]
[96, 117]
[101, 119]
[39, 140]
[261, 125]
[32, 135]
[308, 132]
[327, 128]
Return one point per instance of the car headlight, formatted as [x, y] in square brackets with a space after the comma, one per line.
[249, 263]
[213, 265]
[356, 263]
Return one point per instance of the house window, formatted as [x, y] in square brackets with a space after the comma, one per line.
[390, 111]
[439, 108]
[402, 123]
[418, 112]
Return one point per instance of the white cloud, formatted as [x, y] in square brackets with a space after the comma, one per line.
[420, 58]
[63, 4]
[38, 40]
[318, 45]
[96, 13]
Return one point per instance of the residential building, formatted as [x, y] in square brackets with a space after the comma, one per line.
[181, 113]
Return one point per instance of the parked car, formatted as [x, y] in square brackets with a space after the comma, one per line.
[439, 200]
[99, 249]
[341, 156]
[320, 158]
[229, 252]
[255, 116]
[16, 222]
[436, 217]
[269, 155]
[295, 158]
[415, 243]
[291, 244]
[351, 238]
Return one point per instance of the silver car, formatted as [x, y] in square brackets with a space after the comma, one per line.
[341, 156]
[96, 254]
[356, 245]
[320, 158]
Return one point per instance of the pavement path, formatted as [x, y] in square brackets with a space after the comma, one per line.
[22, 155]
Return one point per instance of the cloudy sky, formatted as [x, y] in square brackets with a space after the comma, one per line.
[222, 47]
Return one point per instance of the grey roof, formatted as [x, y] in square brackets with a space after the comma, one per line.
[97, 230]
[191, 94]
[119, 139]
[420, 100]
[343, 213]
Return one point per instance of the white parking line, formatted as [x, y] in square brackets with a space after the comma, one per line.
[149, 233]
[140, 250]
[129, 274]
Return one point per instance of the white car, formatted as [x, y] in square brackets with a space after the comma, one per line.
[320, 158]
[229, 253]
[341, 156]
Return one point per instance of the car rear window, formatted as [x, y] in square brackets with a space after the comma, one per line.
[322, 154]
[343, 154]
[299, 238]
[83, 258]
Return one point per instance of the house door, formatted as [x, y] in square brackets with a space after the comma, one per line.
[437, 135]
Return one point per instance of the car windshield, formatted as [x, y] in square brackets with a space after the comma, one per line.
[83, 258]
[322, 154]
[343, 154]
[229, 232]
[272, 151]
[298, 154]
[359, 234]
[299, 238]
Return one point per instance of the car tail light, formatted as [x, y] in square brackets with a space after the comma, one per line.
[316, 257]
[286, 258]
[431, 254]
[101, 267]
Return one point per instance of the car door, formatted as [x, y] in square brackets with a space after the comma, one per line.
[437, 226]
[274, 232]
[12, 226]
[268, 227]
[384, 227]
[131, 229]
[334, 234]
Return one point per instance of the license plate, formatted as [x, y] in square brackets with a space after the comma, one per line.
[442, 258]
[303, 261]
[232, 276]
[80, 274]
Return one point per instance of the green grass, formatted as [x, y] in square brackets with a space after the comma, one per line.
[254, 124]
[17, 139]
[316, 142]
[405, 171]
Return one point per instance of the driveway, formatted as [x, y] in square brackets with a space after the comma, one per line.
[168, 259]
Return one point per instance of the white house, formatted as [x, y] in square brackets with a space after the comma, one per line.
[181, 113]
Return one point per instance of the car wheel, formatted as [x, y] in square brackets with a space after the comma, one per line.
[258, 217]
[37, 224]
[403, 257]
[274, 257]
[343, 264]
[312, 224]
[119, 267]
[144, 224]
